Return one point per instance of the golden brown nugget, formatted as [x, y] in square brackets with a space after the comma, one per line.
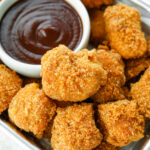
[69, 76]
[74, 128]
[121, 122]
[31, 110]
[114, 65]
[10, 83]
[97, 26]
[123, 28]
[96, 3]
[140, 92]
[135, 66]
[106, 146]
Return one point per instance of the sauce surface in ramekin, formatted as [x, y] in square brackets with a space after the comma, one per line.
[32, 27]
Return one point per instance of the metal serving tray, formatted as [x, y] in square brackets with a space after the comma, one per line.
[29, 142]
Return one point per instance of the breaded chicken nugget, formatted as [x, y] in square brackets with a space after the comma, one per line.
[140, 92]
[74, 128]
[31, 110]
[135, 66]
[96, 3]
[97, 26]
[10, 83]
[114, 65]
[121, 122]
[69, 76]
[106, 146]
[123, 27]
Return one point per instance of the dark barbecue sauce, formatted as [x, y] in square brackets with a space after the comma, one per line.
[32, 27]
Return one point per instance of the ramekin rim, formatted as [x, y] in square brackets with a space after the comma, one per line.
[84, 39]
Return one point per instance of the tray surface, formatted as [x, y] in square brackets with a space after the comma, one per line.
[28, 142]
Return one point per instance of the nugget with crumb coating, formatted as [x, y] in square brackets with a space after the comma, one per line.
[114, 65]
[97, 26]
[10, 83]
[135, 66]
[121, 122]
[123, 28]
[140, 92]
[96, 3]
[74, 128]
[31, 110]
[106, 146]
[69, 76]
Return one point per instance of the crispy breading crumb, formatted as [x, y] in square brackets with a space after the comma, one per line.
[123, 28]
[96, 3]
[31, 110]
[121, 122]
[140, 92]
[114, 65]
[10, 83]
[74, 128]
[69, 76]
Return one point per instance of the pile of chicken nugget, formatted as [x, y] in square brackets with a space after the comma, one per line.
[92, 99]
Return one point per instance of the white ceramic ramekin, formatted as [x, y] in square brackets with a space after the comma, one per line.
[30, 70]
